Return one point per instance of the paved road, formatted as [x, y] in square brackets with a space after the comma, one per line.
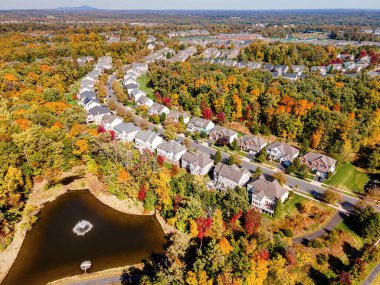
[99, 281]
[338, 217]
[302, 185]
[372, 276]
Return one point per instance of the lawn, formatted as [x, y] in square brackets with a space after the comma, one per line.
[349, 178]
[143, 80]
[69, 96]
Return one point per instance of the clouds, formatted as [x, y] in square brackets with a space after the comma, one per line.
[193, 4]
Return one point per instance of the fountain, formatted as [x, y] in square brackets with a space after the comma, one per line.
[82, 227]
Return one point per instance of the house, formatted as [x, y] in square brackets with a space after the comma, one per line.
[200, 125]
[140, 68]
[365, 60]
[281, 69]
[147, 140]
[126, 132]
[291, 76]
[320, 69]
[230, 176]
[335, 67]
[299, 69]
[175, 116]
[219, 132]
[158, 109]
[90, 103]
[319, 163]
[110, 121]
[268, 66]
[143, 100]
[131, 86]
[87, 83]
[346, 57]
[211, 53]
[264, 194]
[171, 150]
[135, 94]
[282, 152]
[349, 65]
[197, 163]
[251, 143]
[91, 95]
[95, 114]
[84, 60]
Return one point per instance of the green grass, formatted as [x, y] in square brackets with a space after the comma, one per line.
[342, 226]
[69, 96]
[143, 80]
[348, 178]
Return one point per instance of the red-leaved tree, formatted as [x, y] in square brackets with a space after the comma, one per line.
[252, 220]
[142, 193]
[221, 117]
[101, 130]
[207, 113]
[234, 219]
[160, 160]
[203, 225]
[112, 135]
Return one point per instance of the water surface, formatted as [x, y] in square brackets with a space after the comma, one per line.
[52, 250]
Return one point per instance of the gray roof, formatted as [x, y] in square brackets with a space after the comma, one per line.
[322, 161]
[198, 159]
[147, 136]
[87, 94]
[98, 110]
[252, 142]
[218, 130]
[175, 115]
[127, 128]
[171, 146]
[285, 149]
[262, 187]
[109, 118]
[142, 99]
[132, 86]
[157, 107]
[199, 122]
[290, 75]
[231, 172]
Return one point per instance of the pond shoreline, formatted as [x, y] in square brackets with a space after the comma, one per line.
[39, 197]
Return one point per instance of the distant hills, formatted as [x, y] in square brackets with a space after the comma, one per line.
[79, 8]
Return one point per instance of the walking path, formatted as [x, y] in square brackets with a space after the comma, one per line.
[338, 217]
[99, 281]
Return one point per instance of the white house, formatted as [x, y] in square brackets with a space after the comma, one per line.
[320, 69]
[264, 194]
[200, 125]
[126, 132]
[147, 140]
[230, 176]
[135, 94]
[197, 163]
[110, 121]
[251, 143]
[90, 103]
[319, 163]
[158, 109]
[143, 100]
[219, 132]
[140, 68]
[96, 114]
[282, 152]
[171, 150]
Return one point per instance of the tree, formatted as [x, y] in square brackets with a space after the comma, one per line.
[160, 160]
[230, 160]
[207, 114]
[187, 143]
[262, 156]
[332, 197]
[218, 157]
[280, 177]
[221, 118]
[344, 278]
[368, 223]
[203, 226]
[258, 172]
[234, 145]
[252, 221]
[278, 209]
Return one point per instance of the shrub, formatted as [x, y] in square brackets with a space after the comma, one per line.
[315, 243]
[288, 232]
[322, 258]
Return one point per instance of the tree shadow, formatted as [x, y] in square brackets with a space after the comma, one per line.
[350, 251]
[335, 264]
[318, 277]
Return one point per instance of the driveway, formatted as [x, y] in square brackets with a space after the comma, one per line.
[338, 217]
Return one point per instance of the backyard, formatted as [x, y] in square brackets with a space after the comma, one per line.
[143, 80]
[349, 178]
[301, 216]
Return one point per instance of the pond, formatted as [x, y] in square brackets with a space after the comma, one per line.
[52, 250]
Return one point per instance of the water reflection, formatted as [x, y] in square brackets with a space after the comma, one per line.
[51, 250]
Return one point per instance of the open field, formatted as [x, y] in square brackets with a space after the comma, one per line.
[349, 178]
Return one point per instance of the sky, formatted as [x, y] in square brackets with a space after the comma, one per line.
[193, 4]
